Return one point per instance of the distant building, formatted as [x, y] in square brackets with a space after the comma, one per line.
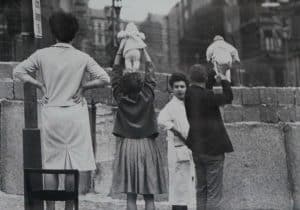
[174, 31]
[98, 23]
[11, 46]
[100, 39]
[258, 33]
[155, 29]
[270, 42]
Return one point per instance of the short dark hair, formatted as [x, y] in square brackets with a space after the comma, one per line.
[176, 77]
[131, 83]
[198, 73]
[63, 25]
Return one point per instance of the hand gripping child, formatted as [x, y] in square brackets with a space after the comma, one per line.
[222, 55]
[131, 45]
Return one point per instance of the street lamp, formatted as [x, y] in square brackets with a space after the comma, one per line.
[118, 6]
[116, 9]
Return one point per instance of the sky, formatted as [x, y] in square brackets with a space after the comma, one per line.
[137, 10]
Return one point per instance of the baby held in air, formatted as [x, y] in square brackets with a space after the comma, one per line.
[130, 46]
[222, 55]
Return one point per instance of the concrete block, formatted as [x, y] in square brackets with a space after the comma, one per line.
[292, 137]
[6, 69]
[251, 113]
[268, 113]
[6, 88]
[268, 96]
[250, 96]
[297, 96]
[161, 99]
[103, 177]
[233, 113]
[12, 123]
[287, 113]
[162, 82]
[217, 90]
[99, 95]
[255, 174]
[286, 96]
[105, 148]
[237, 95]
[297, 113]
[18, 90]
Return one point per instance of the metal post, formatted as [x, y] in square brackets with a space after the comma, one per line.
[286, 59]
[92, 112]
[113, 25]
[118, 10]
[197, 58]
[32, 157]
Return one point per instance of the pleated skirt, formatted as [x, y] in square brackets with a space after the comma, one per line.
[66, 138]
[139, 168]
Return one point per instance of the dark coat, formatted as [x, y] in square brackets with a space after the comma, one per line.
[207, 134]
[135, 118]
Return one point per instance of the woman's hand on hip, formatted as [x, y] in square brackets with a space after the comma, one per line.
[77, 98]
[43, 90]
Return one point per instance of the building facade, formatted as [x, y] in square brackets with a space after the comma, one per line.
[270, 37]
[154, 28]
[11, 44]
[266, 38]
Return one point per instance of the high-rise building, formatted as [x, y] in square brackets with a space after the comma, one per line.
[155, 30]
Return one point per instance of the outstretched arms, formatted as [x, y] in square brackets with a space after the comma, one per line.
[149, 70]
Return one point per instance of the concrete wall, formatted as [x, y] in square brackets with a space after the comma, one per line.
[263, 104]
[262, 173]
[257, 175]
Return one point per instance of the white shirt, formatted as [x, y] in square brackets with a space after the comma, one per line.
[181, 173]
[62, 68]
[174, 115]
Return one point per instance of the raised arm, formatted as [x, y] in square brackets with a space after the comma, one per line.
[221, 98]
[99, 78]
[149, 70]
[116, 76]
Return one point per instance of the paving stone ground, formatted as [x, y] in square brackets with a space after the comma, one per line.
[87, 202]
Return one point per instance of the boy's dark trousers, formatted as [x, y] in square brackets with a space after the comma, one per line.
[176, 207]
[209, 173]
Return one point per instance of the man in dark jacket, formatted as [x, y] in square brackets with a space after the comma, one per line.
[207, 136]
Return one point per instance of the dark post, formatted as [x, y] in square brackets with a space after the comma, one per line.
[93, 112]
[113, 24]
[32, 157]
[118, 11]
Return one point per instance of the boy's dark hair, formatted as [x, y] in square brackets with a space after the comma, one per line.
[176, 77]
[131, 83]
[198, 73]
[63, 25]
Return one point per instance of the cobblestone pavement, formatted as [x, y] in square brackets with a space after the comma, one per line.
[87, 202]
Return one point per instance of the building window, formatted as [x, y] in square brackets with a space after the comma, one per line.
[272, 42]
[186, 14]
[96, 38]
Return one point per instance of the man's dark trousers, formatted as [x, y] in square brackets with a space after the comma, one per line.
[209, 173]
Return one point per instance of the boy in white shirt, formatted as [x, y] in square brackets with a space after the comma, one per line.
[173, 118]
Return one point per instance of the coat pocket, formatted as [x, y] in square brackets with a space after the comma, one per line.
[183, 154]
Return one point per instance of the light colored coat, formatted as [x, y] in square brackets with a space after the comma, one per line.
[65, 126]
[180, 161]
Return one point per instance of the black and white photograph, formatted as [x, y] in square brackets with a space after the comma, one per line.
[149, 104]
